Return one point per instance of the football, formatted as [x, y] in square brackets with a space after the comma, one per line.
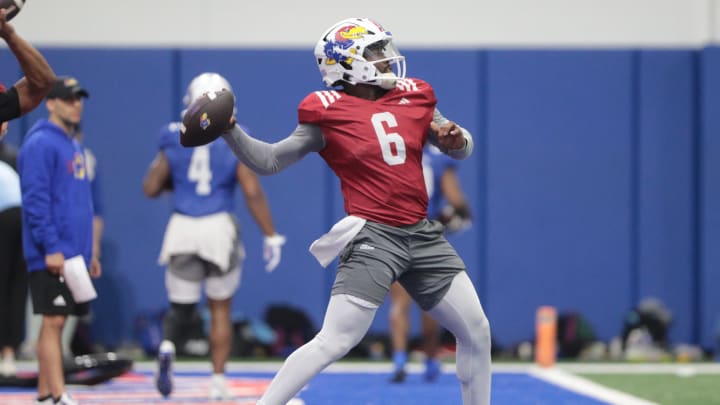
[12, 6]
[207, 118]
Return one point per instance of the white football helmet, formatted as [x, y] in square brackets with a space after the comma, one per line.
[204, 83]
[352, 50]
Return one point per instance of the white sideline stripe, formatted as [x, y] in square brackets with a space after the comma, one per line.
[641, 368]
[586, 387]
[384, 366]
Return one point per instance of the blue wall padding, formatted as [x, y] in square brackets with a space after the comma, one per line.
[592, 185]
[665, 184]
[708, 281]
[559, 139]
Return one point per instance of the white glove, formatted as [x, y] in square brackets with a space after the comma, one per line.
[455, 220]
[272, 251]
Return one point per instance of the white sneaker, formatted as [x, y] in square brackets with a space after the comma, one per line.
[46, 401]
[66, 399]
[164, 377]
[8, 367]
[218, 388]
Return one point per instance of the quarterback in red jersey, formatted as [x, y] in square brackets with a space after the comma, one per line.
[383, 181]
[370, 128]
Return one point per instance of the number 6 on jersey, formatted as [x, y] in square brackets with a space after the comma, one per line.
[387, 139]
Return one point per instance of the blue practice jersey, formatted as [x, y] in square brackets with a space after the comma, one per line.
[434, 165]
[204, 178]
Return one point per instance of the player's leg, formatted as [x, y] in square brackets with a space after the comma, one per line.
[15, 321]
[431, 346]
[9, 329]
[220, 333]
[220, 342]
[366, 271]
[183, 282]
[439, 283]
[19, 294]
[399, 329]
[462, 314]
[347, 319]
[220, 288]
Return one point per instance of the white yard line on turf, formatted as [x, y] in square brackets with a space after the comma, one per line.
[585, 387]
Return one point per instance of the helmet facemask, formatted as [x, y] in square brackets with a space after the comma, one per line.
[388, 63]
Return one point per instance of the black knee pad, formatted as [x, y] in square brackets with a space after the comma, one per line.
[180, 320]
[184, 311]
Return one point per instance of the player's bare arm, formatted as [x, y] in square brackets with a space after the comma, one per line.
[39, 76]
[266, 158]
[157, 177]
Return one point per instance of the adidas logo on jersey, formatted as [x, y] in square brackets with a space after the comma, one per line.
[404, 101]
[327, 97]
[406, 85]
[365, 246]
[59, 301]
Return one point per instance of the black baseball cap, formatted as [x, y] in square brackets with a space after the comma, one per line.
[66, 87]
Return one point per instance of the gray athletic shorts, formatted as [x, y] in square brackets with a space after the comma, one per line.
[418, 256]
[186, 275]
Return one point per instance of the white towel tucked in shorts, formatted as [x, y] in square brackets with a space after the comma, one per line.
[327, 247]
[212, 238]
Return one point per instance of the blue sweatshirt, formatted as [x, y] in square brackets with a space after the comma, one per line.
[56, 198]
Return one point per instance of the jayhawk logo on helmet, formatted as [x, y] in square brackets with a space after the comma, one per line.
[345, 38]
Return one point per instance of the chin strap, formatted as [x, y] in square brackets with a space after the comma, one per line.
[386, 80]
[272, 251]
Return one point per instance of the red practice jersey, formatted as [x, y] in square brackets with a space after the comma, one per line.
[375, 148]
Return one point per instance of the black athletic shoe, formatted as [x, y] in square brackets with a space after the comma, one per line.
[398, 377]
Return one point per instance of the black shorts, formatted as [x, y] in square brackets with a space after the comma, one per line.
[51, 296]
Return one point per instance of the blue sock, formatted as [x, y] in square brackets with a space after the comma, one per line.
[399, 359]
[432, 369]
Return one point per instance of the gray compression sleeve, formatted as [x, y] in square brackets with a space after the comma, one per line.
[265, 158]
[461, 153]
